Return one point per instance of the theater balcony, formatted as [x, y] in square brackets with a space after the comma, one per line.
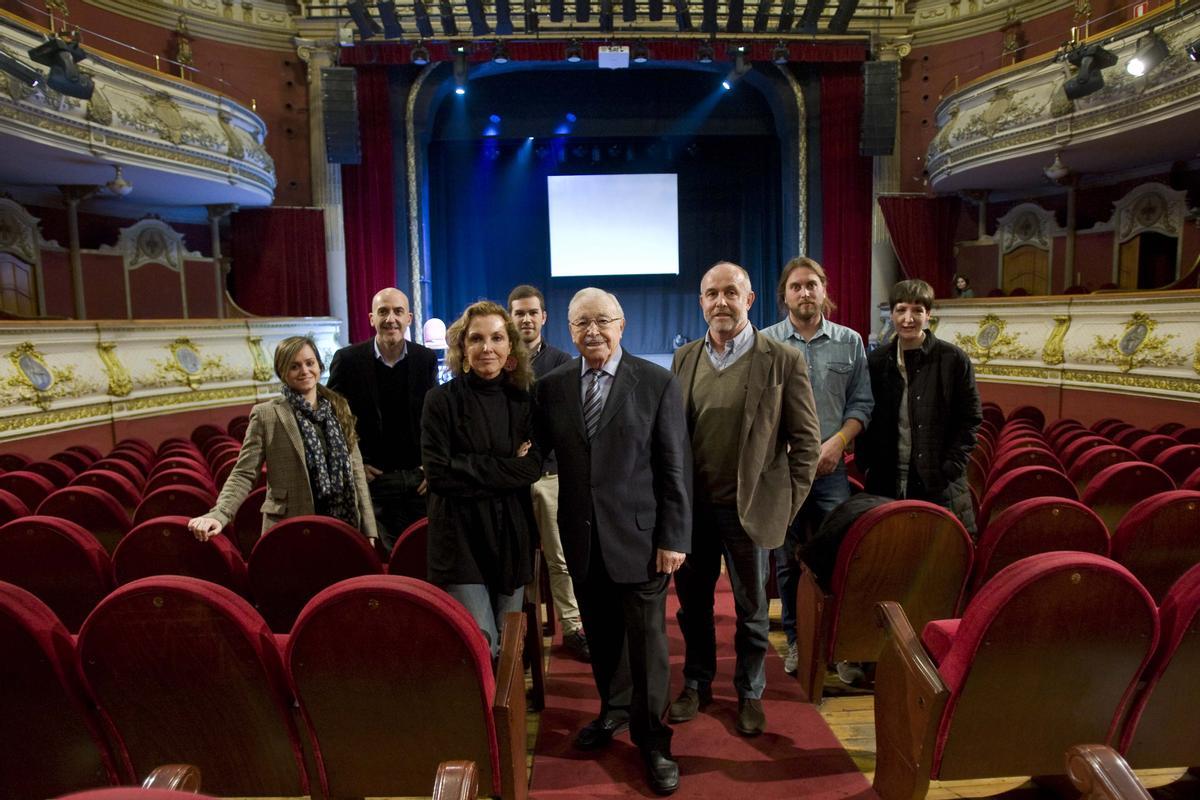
[1016, 127]
[175, 141]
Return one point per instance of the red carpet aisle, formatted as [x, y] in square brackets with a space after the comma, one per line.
[797, 756]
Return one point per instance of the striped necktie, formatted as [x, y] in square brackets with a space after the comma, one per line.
[592, 403]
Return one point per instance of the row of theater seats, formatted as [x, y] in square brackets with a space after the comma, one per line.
[919, 555]
[380, 679]
[1057, 649]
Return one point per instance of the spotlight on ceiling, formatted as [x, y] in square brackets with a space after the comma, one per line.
[683, 16]
[704, 53]
[421, 14]
[641, 54]
[61, 55]
[391, 23]
[367, 26]
[574, 52]
[25, 74]
[500, 53]
[460, 70]
[1090, 59]
[420, 55]
[781, 55]
[1151, 51]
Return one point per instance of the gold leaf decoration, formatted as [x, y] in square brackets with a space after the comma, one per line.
[1135, 348]
[1052, 351]
[993, 340]
[36, 383]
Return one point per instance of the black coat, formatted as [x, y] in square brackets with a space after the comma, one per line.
[481, 524]
[352, 375]
[944, 413]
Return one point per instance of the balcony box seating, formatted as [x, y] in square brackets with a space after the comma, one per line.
[52, 739]
[59, 562]
[92, 509]
[1159, 540]
[164, 546]
[214, 693]
[1047, 655]
[393, 676]
[1118, 488]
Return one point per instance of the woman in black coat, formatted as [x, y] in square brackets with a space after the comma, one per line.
[479, 461]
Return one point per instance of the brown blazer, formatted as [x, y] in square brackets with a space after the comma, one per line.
[781, 437]
[274, 436]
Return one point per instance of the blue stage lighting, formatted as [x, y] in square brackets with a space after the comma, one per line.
[571, 117]
[460, 90]
[726, 85]
[494, 118]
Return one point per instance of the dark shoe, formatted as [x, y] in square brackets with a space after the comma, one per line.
[689, 703]
[851, 673]
[791, 662]
[576, 644]
[662, 772]
[750, 719]
[599, 732]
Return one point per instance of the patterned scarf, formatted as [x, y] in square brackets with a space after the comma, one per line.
[329, 470]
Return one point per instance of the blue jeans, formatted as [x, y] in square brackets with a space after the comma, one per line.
[487, 608]
[827, 493]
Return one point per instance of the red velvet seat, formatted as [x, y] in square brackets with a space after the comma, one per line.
[1063, 438]
[1077, 447]
[218, 444]
[92, 509]
[1046, 655]
[1148, 447]
[1168, 428]
[1061, 424]
[914, 552]
[1019, 442]
[51, 738]
[1094, 461]
[977, 472]
[125, 469]
[1031, 413]
[1127, 437]
[175, 500]
[1103, 423]
[116, 484]
[13, 461]
[73, 459]
[247, 522]
[135, 793]
[86, 450]
[194, 463]
[30, 487]
[410, 552]
[214, 692]
[1187, 435]
[11, 507]
[993, 414]
[1022, 484]
[59, 562]
[1011, 460]
[220, 454]
[165, 546]
[56, 472]
[1159, 539]
[237, 426]
[1115, 429]
[299, 557]
[1037, 525]
[385, 665]
[134, 456]
[1193, 481]
[1179, 462]
[174, 442]
[202, 433]
[181, 477]
[135, 443]
[1159, 731]
[1118, 488]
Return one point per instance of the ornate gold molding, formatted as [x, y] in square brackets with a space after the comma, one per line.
[34, 382]
[1136, 348]
[993, 340]
[76, 414]
[264, 25]
[185, 398]
[263, 371]
[1052, 351]
[119, 382]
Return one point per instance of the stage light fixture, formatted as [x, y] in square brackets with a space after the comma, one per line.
[1091, 60]
[61, 54]
[704, 53]
[733, 16]
[558, 10]
[683, 17]
[1193, 51]
[420, 55]
[781, 55]
[1151, 51]
[446, 15]
[367, 26]
[25, 74]
[504, 24]
[708, 16]
[500, 53]
[531, 16]
[421, 14]
[391, 23]
[762, 16]
[641, 54]
[787, 16]
[605, 22]
[628, 11]
[841, 17]
[656, 10]
[460, 70]
[811, 16]
[574, 52]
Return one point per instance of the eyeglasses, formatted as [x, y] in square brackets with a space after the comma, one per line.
[603, 323]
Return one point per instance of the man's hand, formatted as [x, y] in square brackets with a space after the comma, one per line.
[204, 528]
[372, 472]
[524, 448]
[423, 489]
[831, 455]
[669, 561]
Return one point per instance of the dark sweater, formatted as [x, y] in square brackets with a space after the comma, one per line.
[544, 360]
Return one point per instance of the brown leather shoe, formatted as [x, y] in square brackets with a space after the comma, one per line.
[689, 703]
[750, 718]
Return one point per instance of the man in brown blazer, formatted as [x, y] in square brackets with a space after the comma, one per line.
[755, 445]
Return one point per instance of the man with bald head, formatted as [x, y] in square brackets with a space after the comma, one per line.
[385, 380]
[615, 422]
[755, 444]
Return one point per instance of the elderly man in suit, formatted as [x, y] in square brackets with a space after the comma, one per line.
[616, 423]
[755, 443]
[385, 380]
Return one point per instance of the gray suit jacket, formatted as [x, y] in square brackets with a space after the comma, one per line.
[273, 436]
[781, 436]
[633, 479]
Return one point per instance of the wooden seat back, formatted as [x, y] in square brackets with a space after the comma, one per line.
[1159, 539]
[1022, 484]
[1116, 489]
[59, 562]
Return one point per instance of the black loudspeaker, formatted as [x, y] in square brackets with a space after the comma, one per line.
[339, 99]
[881, 88]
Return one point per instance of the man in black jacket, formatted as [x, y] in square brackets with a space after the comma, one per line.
[385, 380]
[926, 413]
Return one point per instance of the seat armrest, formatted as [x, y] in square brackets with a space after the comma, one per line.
[176, 777]
[456, 780]
[1099, 773]
[508, 709]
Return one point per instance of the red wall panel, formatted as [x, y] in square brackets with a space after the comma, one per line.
[154, 292]
[201, 288]
[104, 286]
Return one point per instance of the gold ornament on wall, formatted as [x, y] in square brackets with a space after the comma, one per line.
[263, 371]
[188, 367]
[993, 340]
[1052, 351]
[1135, 348]
[119, 382]
[34, 382]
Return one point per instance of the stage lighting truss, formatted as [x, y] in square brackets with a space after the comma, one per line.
[366, 24]
[1090, 59]
[1151, 51]
[62, 54]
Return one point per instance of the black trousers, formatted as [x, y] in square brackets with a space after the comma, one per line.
[397, 504]
[626, 627]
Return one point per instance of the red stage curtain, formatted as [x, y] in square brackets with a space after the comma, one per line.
[922, 230]
[279, 261]
[845, 196]
[368, 203]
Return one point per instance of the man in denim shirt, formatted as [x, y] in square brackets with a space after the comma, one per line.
[837, 369]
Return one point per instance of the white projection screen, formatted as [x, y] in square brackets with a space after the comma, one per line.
[613, 225]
